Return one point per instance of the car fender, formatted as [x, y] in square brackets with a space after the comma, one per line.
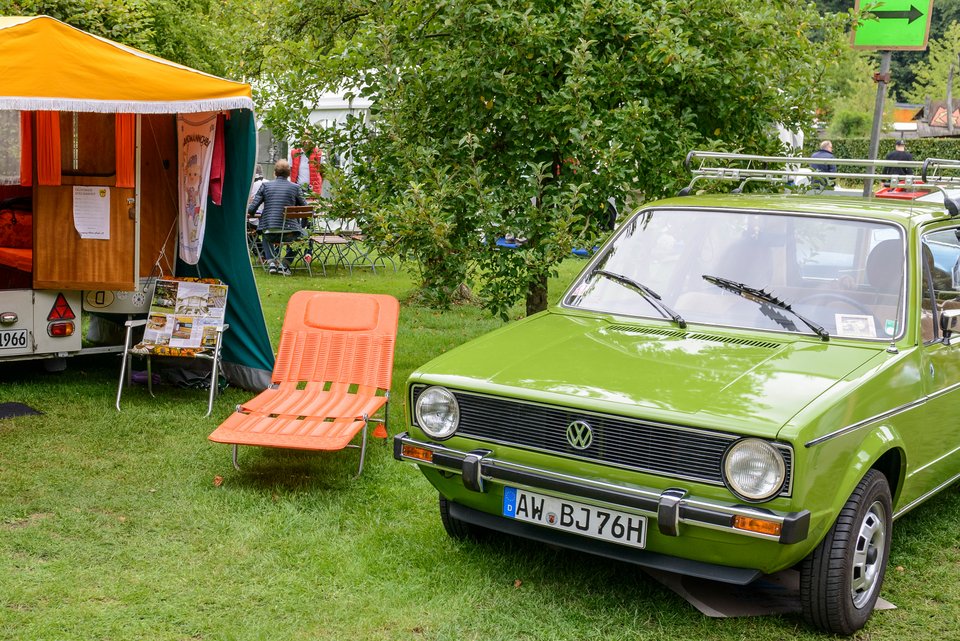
[853, 455]
[881, 448]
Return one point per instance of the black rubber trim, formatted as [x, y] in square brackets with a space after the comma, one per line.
[705, 515]
[796, 527]
[448, 461]
[471, 469]
[643, 558]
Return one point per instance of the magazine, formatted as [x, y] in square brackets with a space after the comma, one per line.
[186, 314]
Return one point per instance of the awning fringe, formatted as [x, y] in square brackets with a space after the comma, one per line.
[18, 103]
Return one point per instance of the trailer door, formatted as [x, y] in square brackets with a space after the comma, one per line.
[85, 229]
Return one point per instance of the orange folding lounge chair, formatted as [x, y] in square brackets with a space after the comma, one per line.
[332, 375]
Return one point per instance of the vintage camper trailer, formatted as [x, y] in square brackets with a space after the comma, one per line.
[92, 184]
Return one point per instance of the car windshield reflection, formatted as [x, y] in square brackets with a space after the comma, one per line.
[842, 274]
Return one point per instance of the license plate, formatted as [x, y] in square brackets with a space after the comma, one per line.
[577, 518]
[13, 338]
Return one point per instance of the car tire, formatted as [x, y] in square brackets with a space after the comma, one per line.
[457, 529]
[840, 580]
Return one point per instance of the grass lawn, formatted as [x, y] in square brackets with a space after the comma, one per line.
[112, 527]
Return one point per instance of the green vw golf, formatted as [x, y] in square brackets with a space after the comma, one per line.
[734, 385]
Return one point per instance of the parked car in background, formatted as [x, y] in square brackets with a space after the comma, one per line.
[734, 385]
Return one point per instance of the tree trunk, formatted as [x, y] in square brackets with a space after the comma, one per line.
[537, 295]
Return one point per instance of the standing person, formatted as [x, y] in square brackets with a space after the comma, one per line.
[899, 153]
[274, 195]
[825, 153]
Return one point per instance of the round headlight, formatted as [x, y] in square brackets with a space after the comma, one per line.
[437, 412]
[754, 469]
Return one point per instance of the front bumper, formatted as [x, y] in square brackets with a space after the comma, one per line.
[671, 508]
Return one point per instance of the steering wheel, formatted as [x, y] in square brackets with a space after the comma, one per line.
[835, 297]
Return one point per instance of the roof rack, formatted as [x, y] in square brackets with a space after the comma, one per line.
[786, 170]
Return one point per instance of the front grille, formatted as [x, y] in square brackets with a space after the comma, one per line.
[665, 450]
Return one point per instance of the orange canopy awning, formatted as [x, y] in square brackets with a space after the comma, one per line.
[47, 65]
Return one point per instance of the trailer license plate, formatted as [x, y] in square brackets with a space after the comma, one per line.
[577, 518]
[13, 338]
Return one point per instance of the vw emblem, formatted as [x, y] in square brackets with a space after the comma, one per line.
[579, 435]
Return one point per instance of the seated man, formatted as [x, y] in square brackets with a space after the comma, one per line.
[275, 195]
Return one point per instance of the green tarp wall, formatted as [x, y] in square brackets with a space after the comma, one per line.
[247, 355]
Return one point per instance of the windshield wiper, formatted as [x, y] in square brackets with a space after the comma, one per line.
[764, 298]
[651, 296]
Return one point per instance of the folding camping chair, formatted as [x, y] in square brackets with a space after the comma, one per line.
[297, 243]
[186, 321]
[362, 253]
[330, 246]
[332, 375]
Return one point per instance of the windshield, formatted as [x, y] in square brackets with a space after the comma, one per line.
[843, 275]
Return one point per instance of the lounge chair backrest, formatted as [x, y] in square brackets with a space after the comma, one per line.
[338, 338]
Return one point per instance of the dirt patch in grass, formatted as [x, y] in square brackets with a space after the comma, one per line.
[26, 521]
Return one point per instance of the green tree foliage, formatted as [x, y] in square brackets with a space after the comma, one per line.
[525, 116]
[204, 34]
[850, 83]
[286, 51]
[903, 63]
[126, 21]
[932, 74]
[853, 94]
[850, 124]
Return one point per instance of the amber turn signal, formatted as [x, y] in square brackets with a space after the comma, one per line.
[63, 328]
[419, 453]
[761, 526]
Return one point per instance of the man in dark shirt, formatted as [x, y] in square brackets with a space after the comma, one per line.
[899, 153]
[825, 153]
[275, 195]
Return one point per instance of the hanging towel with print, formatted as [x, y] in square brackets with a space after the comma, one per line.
[196, 134]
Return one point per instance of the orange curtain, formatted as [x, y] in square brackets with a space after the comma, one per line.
[126, 136]
[26, 148]
[48, 148]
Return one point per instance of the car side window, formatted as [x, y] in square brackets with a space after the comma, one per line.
[940, 251]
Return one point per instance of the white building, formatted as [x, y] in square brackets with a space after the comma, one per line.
[331, 110]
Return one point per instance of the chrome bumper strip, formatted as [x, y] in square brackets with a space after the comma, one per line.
[670, 508]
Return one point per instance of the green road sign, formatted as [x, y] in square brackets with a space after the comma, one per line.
[895, 24]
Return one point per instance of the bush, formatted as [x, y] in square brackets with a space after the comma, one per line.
[860, 148]
[847, 124]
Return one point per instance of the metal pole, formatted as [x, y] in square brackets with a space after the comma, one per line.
[950, 101]
[882, 78]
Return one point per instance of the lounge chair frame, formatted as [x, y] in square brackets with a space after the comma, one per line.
[332, 377]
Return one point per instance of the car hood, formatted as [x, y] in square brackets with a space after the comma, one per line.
[716, 378]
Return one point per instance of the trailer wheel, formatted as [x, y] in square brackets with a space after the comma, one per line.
[54, 365]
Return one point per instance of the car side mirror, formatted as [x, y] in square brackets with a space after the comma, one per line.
[949, 323]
